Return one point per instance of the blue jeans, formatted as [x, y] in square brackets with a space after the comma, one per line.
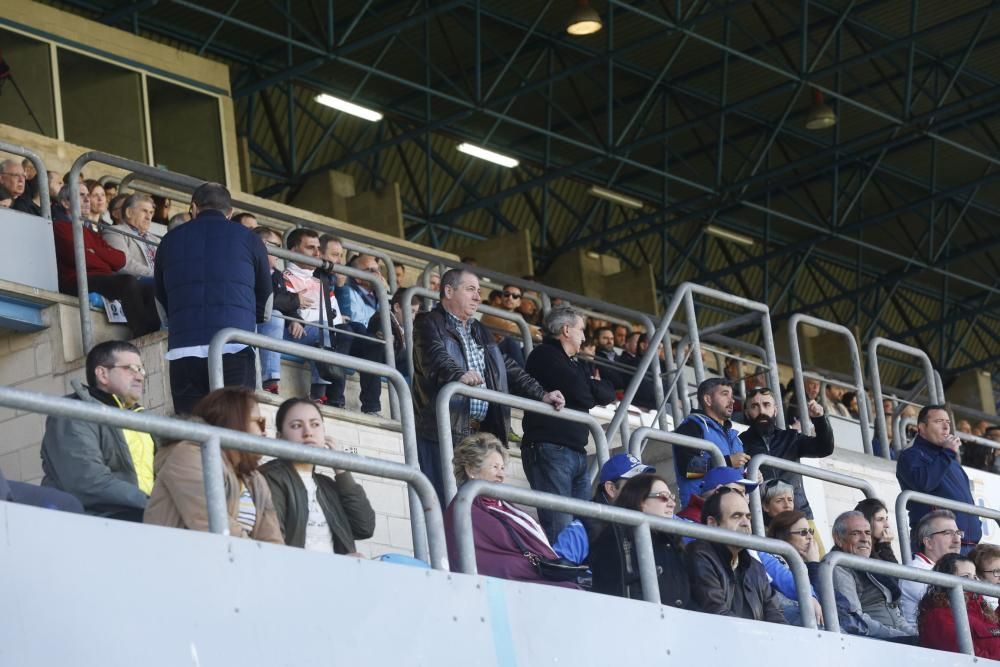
[555, 469]
[312, 337]
[270, 361]
[429, 456]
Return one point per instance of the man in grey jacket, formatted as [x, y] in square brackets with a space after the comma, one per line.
[108, 469]
[133, 238]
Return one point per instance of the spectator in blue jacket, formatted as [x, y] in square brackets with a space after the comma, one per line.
[931, 466]
[210, 275]
[711, 421]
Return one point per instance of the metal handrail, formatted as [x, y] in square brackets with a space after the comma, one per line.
[43, 175]
[684, 296]
[406, 304]
[956, 589]
[903, 519]
[859, 380]
[933, 389]
[432, 530]
[642, 523]
[753, 468]
[395, 378]
[978, 440]
[637, 442]
[443, 414]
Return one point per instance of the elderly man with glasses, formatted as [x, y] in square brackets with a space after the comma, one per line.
[764, 437]
[937, 535]
[108, 469]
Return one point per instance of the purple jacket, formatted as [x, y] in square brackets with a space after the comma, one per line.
[497, 555]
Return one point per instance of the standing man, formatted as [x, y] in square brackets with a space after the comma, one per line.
[210, 274]
[449, 345]
[554, 451]
[108, 469]
[711, 421]
[763, 437]
[726, 579]
[931, 466]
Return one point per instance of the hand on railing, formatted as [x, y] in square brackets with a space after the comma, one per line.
[555, 399]
[471, 378]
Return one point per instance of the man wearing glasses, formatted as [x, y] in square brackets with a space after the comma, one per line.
[937, 535]
[108, 469]
[763, 437]
[931, 465]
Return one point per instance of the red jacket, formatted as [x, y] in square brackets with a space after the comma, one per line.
[102, 259]
[937, 629]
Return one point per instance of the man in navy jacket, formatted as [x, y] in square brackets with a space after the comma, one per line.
[553, 451]
[210, 274]
[931, 466]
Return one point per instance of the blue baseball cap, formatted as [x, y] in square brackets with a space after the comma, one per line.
[725, 475]
[623, 466]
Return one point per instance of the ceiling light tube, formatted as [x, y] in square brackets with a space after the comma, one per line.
[725, 234]
[624, 200]
[488, 155]
[348, 107]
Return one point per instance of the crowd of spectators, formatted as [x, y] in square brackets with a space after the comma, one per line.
[212, 270]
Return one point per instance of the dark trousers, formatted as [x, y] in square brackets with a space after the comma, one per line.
[189, 377]
[136, 296]
[38, 496]
[344, 345]
[429, 455]
[555, 469]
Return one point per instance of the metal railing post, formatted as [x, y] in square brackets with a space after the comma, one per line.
[858, 372]
[757, 515]
[903, 519]
[936, 396]
[215, 491]
[396, 379]
[637, 443]
[447, 446]
[639, 521]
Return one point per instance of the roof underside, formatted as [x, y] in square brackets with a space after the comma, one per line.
[886, 222]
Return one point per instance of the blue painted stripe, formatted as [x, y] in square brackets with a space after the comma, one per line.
[16, 316]
[503, 639]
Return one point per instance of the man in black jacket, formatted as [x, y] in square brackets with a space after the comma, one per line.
[554, 451]
[450, 345]
[763, 437]
[725, 579]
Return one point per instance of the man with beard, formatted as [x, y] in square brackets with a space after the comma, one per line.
[763, 437]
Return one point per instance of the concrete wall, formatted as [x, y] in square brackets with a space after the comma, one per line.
[506, 253]
[378, 210]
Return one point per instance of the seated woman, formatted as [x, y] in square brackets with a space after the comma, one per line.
[794, 528]
[613, 558]
[776, 497]
[935, 621]
[316, 510]
[499, 529]
[987, 558]
[878, 517]
[178, 497]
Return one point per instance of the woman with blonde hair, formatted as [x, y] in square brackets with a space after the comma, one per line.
[508, 541]
[178, 497]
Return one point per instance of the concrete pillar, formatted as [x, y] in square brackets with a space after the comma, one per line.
[377, 210]
[974, 389]
[507, 253]
[326, 194]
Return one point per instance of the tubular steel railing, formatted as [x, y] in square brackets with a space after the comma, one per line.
[396, 380]
[684, 295]
[213, 438]
[956, 589]
[443, 412]
[642, 524]
[859, 381]
[406, 304]
[903, 519]
[637, 442]
[934, 391]
[830, 476]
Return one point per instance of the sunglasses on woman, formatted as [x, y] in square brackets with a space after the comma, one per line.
[803, 532]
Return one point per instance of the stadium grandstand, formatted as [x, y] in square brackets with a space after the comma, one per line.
[767, 229]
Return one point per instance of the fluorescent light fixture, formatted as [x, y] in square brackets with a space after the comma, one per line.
[725, 234]
[348, 107]
[609, 195]
[488, 155]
